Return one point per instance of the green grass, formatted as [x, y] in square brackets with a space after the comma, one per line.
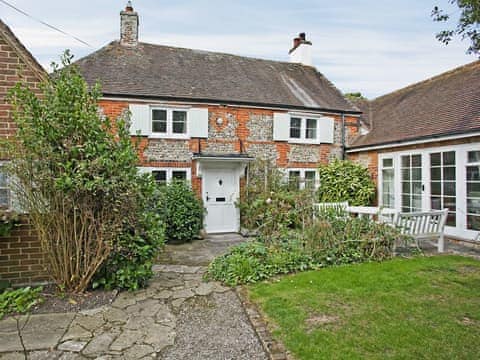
[422, 308]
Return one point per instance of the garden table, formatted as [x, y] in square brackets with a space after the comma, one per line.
[384, 214]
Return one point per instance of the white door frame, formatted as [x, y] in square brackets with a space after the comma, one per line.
[461, 150]
[237, 168]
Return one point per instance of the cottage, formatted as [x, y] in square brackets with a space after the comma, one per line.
[423, 148]
[202, 116]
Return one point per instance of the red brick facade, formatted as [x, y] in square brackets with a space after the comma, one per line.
[20, 253]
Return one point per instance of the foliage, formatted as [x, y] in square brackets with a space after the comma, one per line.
[19, 301]
[129, 266]
[355, 96]
[468, 26]
[8, 220]
[344, 180]
[75, 174]
[327, 242]
[182, 211]
[269, 205]
[424, 307]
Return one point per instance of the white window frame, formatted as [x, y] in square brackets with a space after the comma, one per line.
[302, 176]
[380, 178]
[461, 163]
[168, 170]
[303, 129]
[169, 134]
[7, 187]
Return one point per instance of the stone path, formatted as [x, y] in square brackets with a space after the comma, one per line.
[177, 317]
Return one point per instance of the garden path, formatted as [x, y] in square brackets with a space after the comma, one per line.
[177, 317]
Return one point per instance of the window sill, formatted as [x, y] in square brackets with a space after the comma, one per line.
[303, 141]
[169, 136]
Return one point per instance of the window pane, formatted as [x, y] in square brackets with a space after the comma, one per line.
[295, 125]
[436, 203]
[160, 176]
[473, 156]
[416, 160]
[436, 188]
[473, 190]
[406, 161]
[311, 133]
[473, 206]
[310, 179]
[159, 115]
[473, 173]
[417, 174]
[294, 179]
[473, 222]
[449, 173]
[416, 187]
[179, 175]
[406, 187]
[406, 174]
[449, 158]
[435, 159]
[159, 126]
[387, 163]
[179, 128]
[417, 203]
[179, 122]
[3, 178]
[406, 200]
[451, 219]
[436, 174]
[311, 130]
[449, 188]
[450, 202]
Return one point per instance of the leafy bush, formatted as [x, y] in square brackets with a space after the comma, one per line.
[327, 242]
[75, 174]
[344, 180]
[8, 220]
[182, 211]
[19, 301]
[130, 263]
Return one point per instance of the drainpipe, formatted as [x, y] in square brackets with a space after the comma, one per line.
[343, 136]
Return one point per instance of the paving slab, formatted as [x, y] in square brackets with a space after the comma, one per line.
[44, 331]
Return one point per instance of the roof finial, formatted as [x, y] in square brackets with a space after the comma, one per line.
[129, 6]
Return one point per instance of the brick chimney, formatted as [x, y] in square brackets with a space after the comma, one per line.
[301, 51]
[128, 26]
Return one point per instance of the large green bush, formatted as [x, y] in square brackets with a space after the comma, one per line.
[130, 263]
[182, 211]
[74, 171]
[344, 180]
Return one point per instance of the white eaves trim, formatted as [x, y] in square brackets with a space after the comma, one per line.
[414, 142]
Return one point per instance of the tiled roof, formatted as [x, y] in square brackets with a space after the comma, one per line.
[168, 72]
[446, 104]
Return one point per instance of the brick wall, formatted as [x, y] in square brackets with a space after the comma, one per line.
[21, 260]
[20, 254]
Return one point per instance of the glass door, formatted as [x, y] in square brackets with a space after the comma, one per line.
[473, 190]
[411, 182]
[443, 184]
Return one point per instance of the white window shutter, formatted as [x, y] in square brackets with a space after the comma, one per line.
[326, 129]
[140, 120]
[281, 126]
[198, 122]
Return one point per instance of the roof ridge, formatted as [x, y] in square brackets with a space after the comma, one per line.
[430, 79]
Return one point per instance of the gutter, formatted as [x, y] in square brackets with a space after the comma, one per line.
[229, 102]
[417, 140]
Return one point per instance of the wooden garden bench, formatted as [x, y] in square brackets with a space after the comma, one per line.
[423, 226]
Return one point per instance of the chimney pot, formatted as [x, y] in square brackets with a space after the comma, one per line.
[296, 42]
[302, 36]
[129, 6]
[301, 51]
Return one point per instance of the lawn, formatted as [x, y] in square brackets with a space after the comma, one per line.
[422, 308]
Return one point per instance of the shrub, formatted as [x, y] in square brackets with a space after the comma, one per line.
[328, 242]
[182, 211]
[19, 301]
[130, 263]
[344, 180]
[8, 220]
[75, 174]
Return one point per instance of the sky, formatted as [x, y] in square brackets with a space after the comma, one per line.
[373, 47]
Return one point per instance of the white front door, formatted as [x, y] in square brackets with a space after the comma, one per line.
[220, 192]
